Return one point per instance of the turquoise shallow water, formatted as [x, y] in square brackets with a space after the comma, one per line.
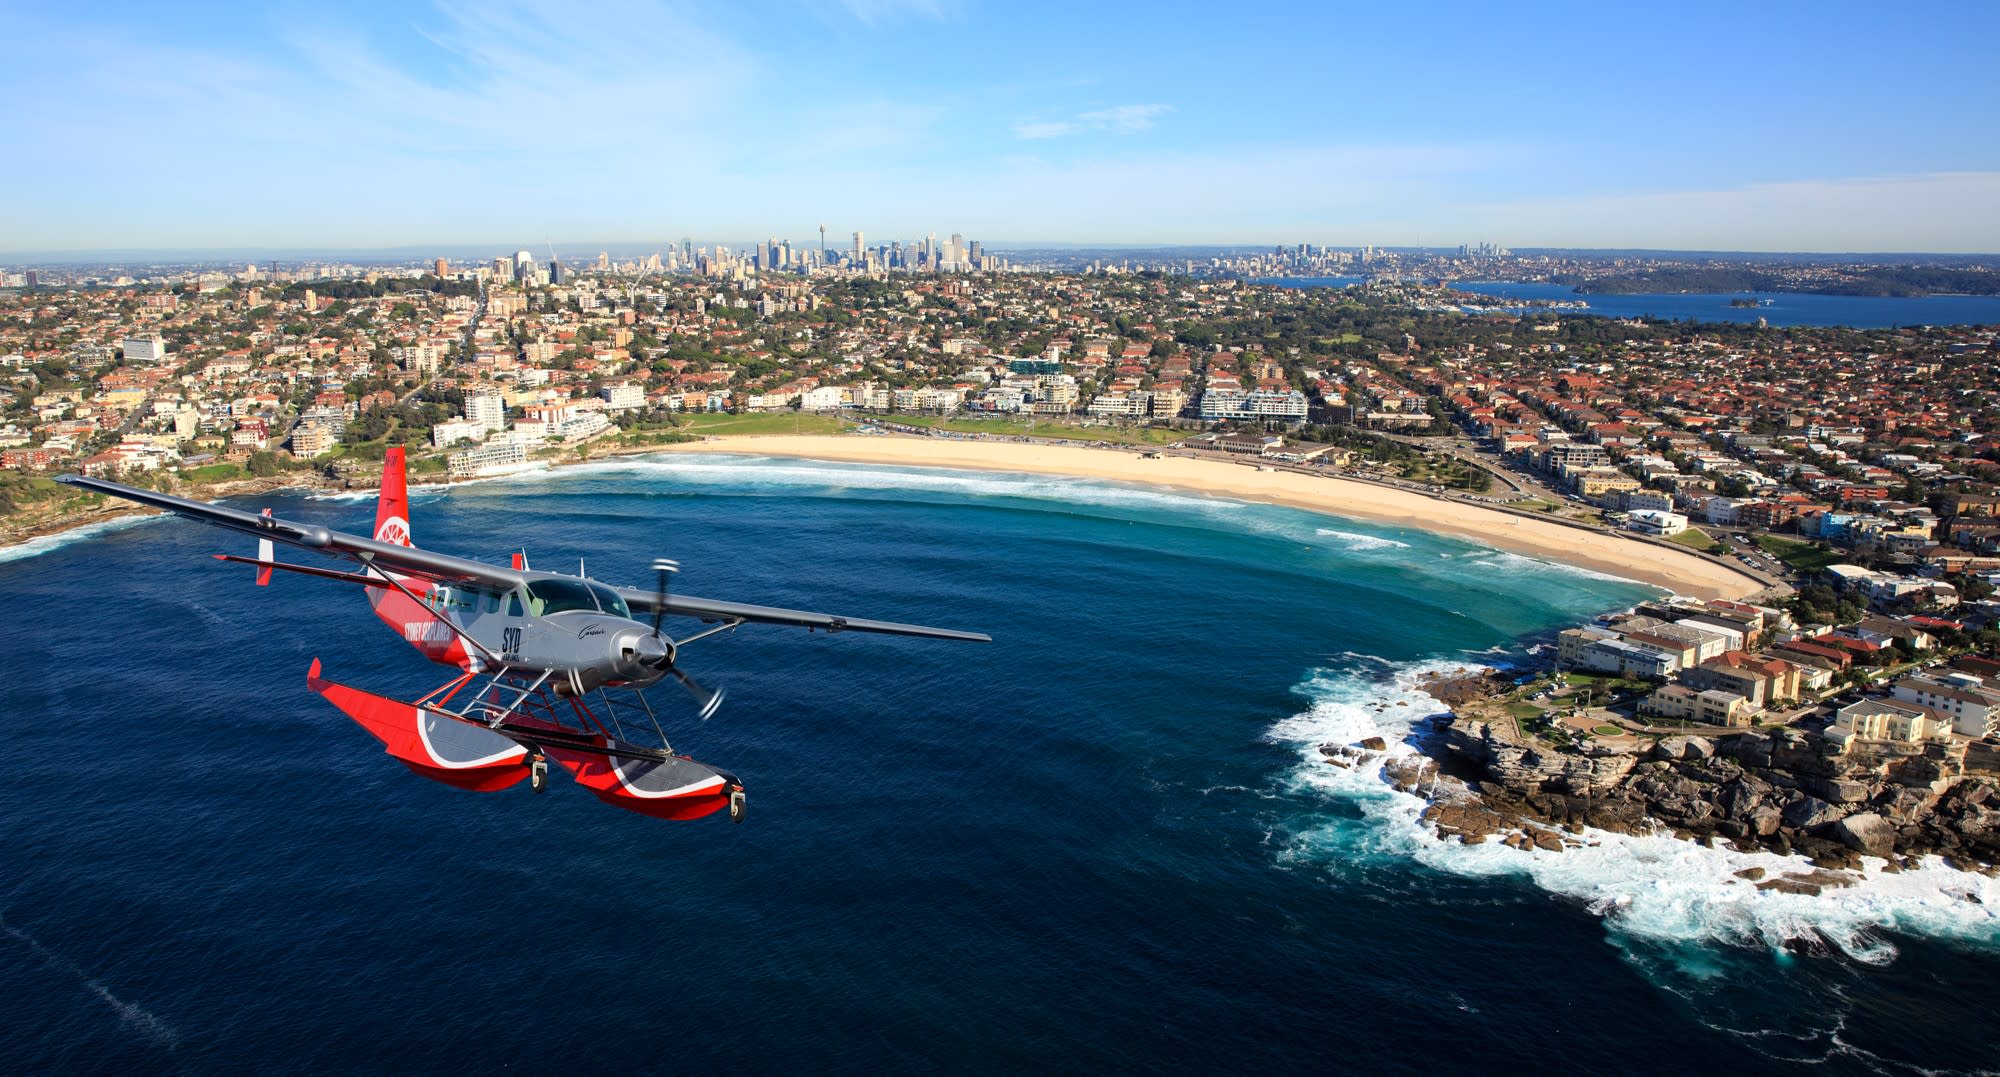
[1098, 843]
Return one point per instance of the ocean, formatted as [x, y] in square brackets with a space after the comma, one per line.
[1784, 308]
[1102, 842]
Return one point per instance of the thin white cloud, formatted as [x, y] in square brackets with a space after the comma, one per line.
[1122, 120]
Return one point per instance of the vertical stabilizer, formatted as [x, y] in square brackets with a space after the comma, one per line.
[392, 509]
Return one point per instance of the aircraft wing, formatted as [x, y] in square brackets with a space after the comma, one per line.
[400, 559]
[405, 560]
[709, 609]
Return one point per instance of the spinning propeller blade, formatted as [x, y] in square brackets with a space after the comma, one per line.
[665, 568]
[708, 702]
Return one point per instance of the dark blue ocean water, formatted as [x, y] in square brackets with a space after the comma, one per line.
[1096, 844]
[1785, 308]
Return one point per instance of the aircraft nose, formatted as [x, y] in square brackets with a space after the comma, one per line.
[649, 650]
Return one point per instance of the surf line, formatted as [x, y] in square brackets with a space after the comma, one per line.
[133, 1016]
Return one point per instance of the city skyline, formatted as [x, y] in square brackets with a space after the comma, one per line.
[1712, 129]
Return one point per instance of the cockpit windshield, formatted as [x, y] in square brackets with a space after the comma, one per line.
[609, 602]
[560, 596]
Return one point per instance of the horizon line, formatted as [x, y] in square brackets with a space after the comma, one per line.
[427, 251]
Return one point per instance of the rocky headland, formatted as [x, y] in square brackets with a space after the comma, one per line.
[1788, 791]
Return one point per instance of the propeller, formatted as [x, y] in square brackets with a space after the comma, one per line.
[708, 702]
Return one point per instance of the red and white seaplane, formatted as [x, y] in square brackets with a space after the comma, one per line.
[531, 649]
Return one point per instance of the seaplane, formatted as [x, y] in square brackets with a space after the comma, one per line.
[536, 655]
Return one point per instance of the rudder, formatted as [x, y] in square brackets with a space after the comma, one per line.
[392, 507]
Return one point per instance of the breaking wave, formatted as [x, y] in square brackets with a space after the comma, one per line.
[1504, 561]
[749, 474]
[35, 547]
[1360, 543]
[1651, 889]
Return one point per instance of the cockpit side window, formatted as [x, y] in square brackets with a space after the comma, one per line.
[609, 602]
[513, 603]
[560, 596]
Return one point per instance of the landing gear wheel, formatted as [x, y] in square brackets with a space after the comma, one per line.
[538, 773]
[736, 805]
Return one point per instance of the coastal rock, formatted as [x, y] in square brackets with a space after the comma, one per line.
[1867, 833]
[1374, 744]
[1739, 798]
[1751, 873]
[1809, 812]
[1842, 790]
[1810, 884]
[1530, 769]
[1466, 820]
[1752, 749]
[1410, 773]
[1684, 748]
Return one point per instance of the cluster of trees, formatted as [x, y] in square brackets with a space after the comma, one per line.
[381, 286]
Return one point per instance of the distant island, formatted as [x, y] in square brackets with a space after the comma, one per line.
[1896, 281]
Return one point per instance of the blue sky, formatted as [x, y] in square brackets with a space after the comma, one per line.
[1777, 126]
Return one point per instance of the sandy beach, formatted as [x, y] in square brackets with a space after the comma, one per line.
[1679, 571]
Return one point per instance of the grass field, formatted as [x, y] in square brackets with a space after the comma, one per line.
[215, 473]
[1694, 538]
[777, 422]
[1803, 556]
[1044, 428]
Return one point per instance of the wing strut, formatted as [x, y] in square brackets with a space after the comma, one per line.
[369, 561]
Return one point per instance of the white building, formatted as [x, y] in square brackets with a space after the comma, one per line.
[1885, 720]
[1964, 697]
[144, 349]
[452, 431]
[498, 458]
[583, 425]
[623, 396]
[823, 398]
[487, 409]
[1657, 522]
[1119, 405]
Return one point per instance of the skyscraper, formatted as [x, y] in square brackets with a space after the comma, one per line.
[524, 265]
[441, 267]
[857, 248]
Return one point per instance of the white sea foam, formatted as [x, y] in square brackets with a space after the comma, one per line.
[751, 473]
[1514, 563]
[35, 547]
[1655, 888]
[1360, 543]
[417, 492]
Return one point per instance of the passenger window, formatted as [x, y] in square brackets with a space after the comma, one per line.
[514, 604]
[493, 602]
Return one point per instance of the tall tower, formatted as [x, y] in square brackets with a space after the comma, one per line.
[857, 248]
[442, 267]
[822, 244]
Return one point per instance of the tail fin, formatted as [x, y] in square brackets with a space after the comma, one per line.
[392, 508]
